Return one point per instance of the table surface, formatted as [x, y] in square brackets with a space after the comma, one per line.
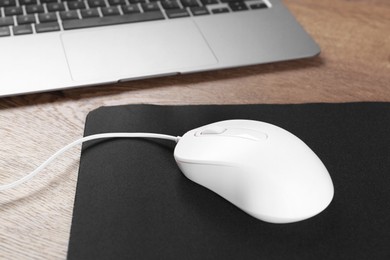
[354, 65]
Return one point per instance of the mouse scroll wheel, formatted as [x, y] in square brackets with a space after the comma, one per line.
[215, 130]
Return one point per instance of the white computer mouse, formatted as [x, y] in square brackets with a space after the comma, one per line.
[263, 169]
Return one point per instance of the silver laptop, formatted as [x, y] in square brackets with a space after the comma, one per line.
[54, 44]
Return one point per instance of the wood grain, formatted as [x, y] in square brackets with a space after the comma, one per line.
[354, 65]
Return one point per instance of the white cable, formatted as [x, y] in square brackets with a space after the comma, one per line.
[81, 140]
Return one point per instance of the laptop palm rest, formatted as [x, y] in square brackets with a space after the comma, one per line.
[135, 50]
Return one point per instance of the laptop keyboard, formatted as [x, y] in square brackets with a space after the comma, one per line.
[21, 17]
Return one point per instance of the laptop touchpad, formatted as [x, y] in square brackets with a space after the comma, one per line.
[136, 50]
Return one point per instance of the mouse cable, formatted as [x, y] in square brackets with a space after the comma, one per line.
[82, 140]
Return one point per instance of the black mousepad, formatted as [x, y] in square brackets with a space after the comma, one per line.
[132, 201]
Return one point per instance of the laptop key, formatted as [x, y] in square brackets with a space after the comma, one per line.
[6, 21]
[13, 10]
[130, 9]
[109, 11]
[47, 17]
[258, 6]
[137, 1]
[116, 2]
[177, 13]
[201, 10]
[28, 2]
[170, 4]
[111, 20]
[76, 5]
[26, 19]
[47, 27]
[34, 9]
[48, 1]
[53, 7]
[148, 7]
[68, 15]
[189, 3]
[96, 3]
[209, 2]
[237, 6]
[22, 29]
[90, 13]
[220, 10]
[6, 3]
[4, 31]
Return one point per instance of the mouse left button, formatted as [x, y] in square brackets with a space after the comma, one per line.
[246, 133]
[212, 130]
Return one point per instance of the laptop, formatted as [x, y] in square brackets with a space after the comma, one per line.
[57, 44]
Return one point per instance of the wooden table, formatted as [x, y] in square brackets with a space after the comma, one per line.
[35, 218]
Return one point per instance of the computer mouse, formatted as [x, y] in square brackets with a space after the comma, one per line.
[261, 168]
